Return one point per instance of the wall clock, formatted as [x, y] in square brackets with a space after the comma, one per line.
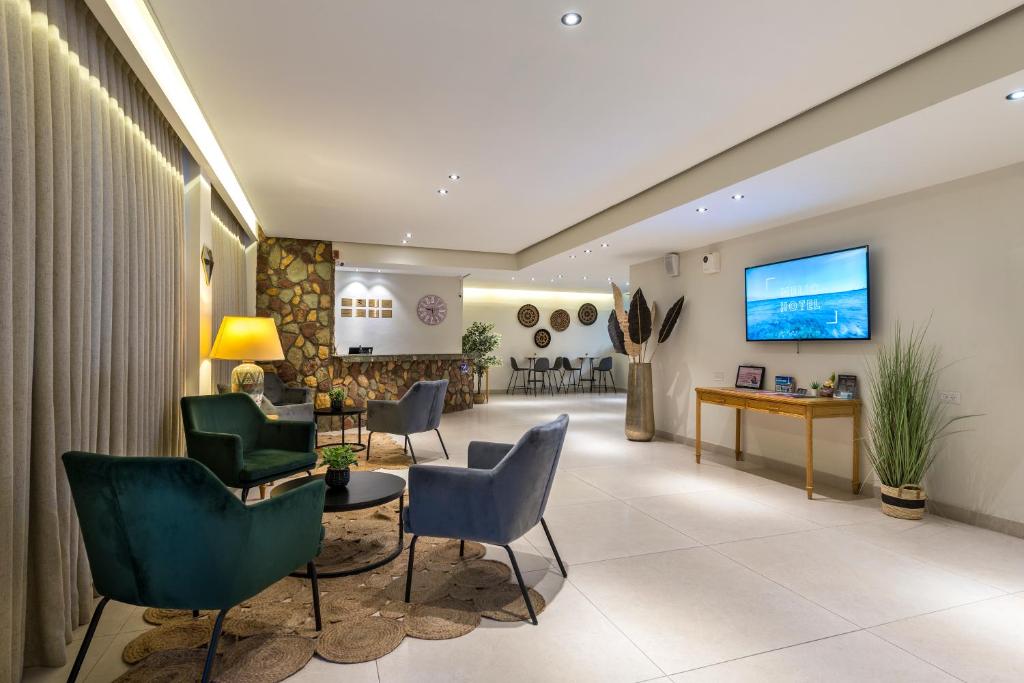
[560, 320]
[587, 314]
[432, 310]
[528, 315]
[542, 338]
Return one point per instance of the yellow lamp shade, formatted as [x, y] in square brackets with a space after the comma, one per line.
[244, 338]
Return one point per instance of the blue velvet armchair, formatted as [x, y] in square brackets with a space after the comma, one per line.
[418, 411]
[497, 499]
[164, 532]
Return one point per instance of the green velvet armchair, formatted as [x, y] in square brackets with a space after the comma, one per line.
[164, 532]
[230, 434]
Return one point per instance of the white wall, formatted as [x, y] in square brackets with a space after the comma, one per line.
[500, 307]
[954, 252]
[403, 332]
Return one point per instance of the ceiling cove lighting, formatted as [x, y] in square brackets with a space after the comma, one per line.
[702, 209]
[408, 235]
[738, 196]
[518, 295]
[443, 192]
[1016, 95]
[141, 29]
[572, 19]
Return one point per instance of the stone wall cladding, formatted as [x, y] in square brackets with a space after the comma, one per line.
[389, 380]
[295, 287]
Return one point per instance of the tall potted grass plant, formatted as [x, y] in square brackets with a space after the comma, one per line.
[908, 420]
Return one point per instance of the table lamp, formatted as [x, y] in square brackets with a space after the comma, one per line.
[247, 339]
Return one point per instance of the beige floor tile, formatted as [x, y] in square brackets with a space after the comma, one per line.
[863, 583]
[849, 658]
[691, 608]
[979, 642]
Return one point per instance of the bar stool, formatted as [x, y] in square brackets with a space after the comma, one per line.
[602, 373]
[517, 374]
[570, 375]
[590, 378]
[540, 374]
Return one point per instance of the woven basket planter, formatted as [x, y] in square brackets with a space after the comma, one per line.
[905, 502]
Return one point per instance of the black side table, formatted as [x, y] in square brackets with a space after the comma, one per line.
[343, 412]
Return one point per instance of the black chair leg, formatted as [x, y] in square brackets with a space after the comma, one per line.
[462, 548]
[411, 451]
[245, 494]
[90, 632]
[551, 542]
[522, 585]
[408, 573]
[442, 444]
[311, 570]
[211, 652]
[369, 442]
[195, 614]
[615, 389]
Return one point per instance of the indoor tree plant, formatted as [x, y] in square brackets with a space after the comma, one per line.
[337, 459]
[479, 342]
[907, 419]
[630, 332]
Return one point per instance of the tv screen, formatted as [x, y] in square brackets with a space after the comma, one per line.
[811, 298]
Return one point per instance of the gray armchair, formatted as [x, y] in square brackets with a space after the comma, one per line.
[416, 412]
[287, 403]
[497, 499]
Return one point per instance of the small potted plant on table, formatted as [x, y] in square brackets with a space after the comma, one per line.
[337, 396]
[815, 386]
[337, 459]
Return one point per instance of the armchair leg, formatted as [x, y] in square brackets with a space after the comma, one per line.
[311, 570]
[522, 585]
[369, 442]
[93, 623]
[211, 652]
[462, 547]
[551, 542]
[195, 614]
[245, 494]
[411, 451]
[408, 573]
[442, 444]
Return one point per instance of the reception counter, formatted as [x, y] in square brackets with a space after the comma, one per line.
[369, 377]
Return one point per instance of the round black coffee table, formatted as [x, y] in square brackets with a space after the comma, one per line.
[343, 413]
[364, 490]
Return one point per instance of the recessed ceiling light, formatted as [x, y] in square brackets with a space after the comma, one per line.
[405, 241]
[1016, 95]
[454, 176]
[738, 196]
[379, 270]
[702, 209]
[587, 251]
[442, 192]
[584, 277]
[572, 256]
[408, 235]
[532, 279]
[604, 245]
[560, 276]
[572, 18]
[513, 277]
[627, 284]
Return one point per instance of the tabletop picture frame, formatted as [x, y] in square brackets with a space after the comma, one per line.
[750, 377]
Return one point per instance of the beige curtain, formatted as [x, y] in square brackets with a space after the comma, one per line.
[228, 245]
[91, 220]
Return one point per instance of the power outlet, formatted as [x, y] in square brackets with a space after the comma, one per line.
[950, 397]
[718, 377]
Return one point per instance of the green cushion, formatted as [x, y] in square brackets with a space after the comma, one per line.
[263, 464]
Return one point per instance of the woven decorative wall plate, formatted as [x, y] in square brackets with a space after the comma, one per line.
[587, 314]
[560, 320]
[528, 315]
[542, 338]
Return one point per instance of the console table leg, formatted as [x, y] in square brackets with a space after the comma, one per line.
[739, 419]
[855, 479]
[809, 421]
[696, 447]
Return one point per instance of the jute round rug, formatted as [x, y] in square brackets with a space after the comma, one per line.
[273, 635]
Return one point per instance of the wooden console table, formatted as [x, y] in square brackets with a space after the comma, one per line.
[807, 409]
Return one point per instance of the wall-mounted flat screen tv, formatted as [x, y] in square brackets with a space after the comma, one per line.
[818, 297]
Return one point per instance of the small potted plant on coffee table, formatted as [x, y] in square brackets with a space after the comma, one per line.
[337, 396]
[338, 459]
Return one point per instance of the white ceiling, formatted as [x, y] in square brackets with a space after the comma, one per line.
[965, 135]
[342, 119]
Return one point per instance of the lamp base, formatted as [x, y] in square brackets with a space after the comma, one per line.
[248, 379]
